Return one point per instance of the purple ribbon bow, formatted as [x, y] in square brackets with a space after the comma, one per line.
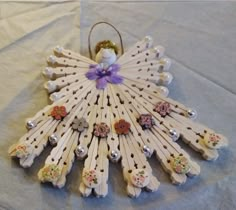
[103, 76]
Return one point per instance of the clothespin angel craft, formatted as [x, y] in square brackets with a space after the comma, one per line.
[114, 108]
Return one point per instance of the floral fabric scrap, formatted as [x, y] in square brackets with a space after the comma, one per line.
[103, 76]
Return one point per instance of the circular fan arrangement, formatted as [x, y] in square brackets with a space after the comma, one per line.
[114, 110]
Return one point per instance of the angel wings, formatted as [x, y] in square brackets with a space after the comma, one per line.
[117, 113]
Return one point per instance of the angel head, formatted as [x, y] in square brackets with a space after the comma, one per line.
[106, 52]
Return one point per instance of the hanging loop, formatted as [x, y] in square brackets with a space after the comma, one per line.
[90, 32]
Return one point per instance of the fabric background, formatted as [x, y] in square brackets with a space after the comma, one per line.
[199, 37]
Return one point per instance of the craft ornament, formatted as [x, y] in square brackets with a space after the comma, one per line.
[114, 108]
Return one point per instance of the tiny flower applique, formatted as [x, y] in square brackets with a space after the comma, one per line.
[103, 76]
[122, 127]
[101, 130]
[163, 108]
[50, 173]
[58, 112]
[91, 178]
[23, 150]
[140, 178]
[181, 165]
[79, 124]
[146, 121]
[213, 141]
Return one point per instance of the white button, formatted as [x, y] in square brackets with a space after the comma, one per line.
[140, 178]
[181, 165]
[91, 178]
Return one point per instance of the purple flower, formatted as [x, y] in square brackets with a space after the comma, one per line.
[103, 76]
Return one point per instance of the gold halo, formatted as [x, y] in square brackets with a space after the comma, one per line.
[106, 44]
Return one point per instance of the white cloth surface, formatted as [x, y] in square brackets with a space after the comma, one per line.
[199, 37]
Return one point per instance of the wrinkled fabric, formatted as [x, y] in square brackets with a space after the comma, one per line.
[199, 37]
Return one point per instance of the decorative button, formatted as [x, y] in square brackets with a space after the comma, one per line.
[79, 124]
[23, 150]
[58, 112]
[140, 178]
[181, 165]
[213, 140]
[122, 127]
[101, 130]
[146, 121]
[50, 173]
[91, 178]
[163, 108]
